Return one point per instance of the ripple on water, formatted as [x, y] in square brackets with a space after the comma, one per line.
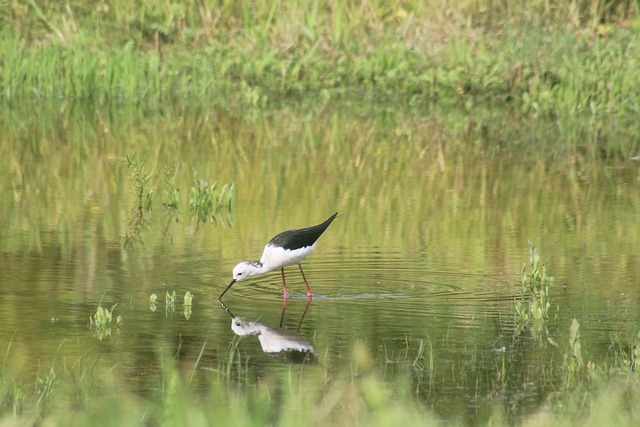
[339, 280]
[392, 289]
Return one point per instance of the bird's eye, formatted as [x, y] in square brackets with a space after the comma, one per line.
[239, 274]
[237, 323]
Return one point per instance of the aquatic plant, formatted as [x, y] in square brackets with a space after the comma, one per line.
[207, 202]
[187, 305]
[153, 302]
[535, 289]
[143, 199]
[188, 298]
[573, 362]
[171, 299]
[171, 198]
[103, 321]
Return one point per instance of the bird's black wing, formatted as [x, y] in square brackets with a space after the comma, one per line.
[302, 237]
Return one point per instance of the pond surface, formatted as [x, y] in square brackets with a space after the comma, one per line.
[421, 267]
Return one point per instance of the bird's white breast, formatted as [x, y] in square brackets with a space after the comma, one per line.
[277, 257]
[271, 340]
[277, 341]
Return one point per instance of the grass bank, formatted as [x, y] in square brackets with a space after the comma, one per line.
[539, 57]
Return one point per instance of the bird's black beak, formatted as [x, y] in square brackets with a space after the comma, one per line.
[225, 291]
[226, 308]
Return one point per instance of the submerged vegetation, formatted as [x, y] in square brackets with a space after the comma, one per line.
[539, 56]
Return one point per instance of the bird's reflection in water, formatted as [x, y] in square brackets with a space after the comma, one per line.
[282, 344]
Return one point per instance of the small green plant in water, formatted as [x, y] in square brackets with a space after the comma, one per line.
[187, 304]
[535, 288]
[153, 302]
[206, 202]
[573, 362]
[536, 277]
[171, 194]
[171, 299]
[522, 312]
[103, 321]
[170, 198]
[170, 303]
[143, 199]
[188, 298]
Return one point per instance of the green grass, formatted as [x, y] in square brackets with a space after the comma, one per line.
[462, 53]
[79, 391]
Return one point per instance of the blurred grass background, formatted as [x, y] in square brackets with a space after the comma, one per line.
[540, 56]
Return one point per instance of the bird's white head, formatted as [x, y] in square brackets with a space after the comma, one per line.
[241, 272]
[245, 270]
[243, 327]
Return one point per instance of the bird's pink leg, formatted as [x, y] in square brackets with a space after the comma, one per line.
[306, 283]
[284, 285]
[304, 313]
[284, 308]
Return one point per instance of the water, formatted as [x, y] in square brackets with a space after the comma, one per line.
[421, 267]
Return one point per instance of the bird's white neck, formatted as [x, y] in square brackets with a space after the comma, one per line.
[247, 269]
[243, 327]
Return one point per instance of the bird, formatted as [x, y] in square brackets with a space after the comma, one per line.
[280, 343]
[274, 341]
[287, 248]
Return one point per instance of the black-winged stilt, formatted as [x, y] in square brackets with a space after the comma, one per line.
[287, 248]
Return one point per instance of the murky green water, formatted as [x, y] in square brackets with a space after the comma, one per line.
[421, 267]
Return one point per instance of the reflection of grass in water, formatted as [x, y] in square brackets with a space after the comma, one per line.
[171, 199]
[378, 163]
[206, 201]
[143, 200]
[75, 393]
